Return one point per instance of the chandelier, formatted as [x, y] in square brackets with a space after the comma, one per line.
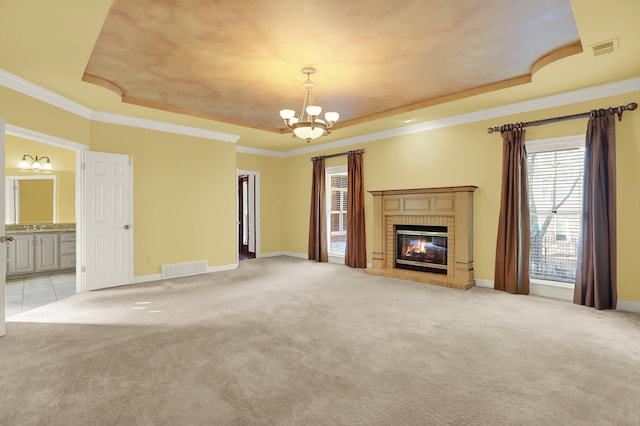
[307, 125]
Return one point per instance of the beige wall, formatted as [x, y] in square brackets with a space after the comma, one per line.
[272, 194]
[66, 197]
[185, 187]
[467, 155]
[183, 195]
[26, 112]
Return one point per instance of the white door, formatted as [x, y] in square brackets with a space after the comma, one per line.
[108, 214]
[3, 244]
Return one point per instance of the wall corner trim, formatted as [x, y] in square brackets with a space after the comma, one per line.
[20, 85]
[484, 283]
[146, 278]
[628, 306]
[33, 135]
[220, 268]
[161, 126]
[258, 151]
[285, 253]
[551, 101]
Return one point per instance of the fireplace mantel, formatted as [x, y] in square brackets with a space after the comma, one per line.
[445, 206]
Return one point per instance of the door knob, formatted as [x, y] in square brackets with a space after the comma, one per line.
[4, 239]
[126, 227]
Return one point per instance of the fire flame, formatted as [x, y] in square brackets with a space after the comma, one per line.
[415, 249]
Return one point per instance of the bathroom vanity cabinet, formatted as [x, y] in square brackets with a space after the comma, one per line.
[40, 252]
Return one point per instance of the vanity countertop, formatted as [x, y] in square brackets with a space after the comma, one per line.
[40, 227]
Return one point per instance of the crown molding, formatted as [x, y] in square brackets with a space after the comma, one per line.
[44, 138]
[25, 87]
[568, 98]
[259, 151]
[161, 126]
[20, 85]
[35, 91]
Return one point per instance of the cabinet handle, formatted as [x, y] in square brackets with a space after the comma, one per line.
[126, 227]
[4, 239]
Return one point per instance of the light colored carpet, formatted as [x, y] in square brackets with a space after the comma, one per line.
[284, 341]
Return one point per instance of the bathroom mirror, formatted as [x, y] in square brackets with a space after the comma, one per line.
[30, 199]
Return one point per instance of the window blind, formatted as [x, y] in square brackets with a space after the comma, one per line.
[338, 213]
[555, 203]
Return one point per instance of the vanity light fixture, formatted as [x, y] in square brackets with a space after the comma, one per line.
[37, 163]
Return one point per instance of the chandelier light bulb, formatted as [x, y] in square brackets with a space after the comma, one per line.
[314, 110]
[24, 164]
[287, 114]
[332, 116]
[35, 165]
[47, 166]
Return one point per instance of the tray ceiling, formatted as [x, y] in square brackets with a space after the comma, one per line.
[239, 61]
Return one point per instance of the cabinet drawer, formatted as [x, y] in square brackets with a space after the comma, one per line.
[67, 236]
[68, 261]
[67, 247]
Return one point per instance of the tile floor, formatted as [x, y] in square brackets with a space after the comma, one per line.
[23, 294]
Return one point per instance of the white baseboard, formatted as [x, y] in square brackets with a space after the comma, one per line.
[484, 283]
[304, 256]
[157, 277]
[563, 292]
[553, 290]
[536, 288]
[628, 306]
[220, 268]
[271, 254]
[285, 253]
[146, 278]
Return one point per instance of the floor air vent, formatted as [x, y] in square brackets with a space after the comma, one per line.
[184, 269]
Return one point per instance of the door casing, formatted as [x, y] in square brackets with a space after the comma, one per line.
[256, 176]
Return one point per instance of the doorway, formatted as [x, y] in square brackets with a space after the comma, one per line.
[248, 214]
[41, 220]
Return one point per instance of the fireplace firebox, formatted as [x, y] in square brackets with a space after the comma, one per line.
[422, 248]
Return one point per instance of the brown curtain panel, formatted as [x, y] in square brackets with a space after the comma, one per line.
[318, 219]
[356, 249]
[514, 233]
[596, 274]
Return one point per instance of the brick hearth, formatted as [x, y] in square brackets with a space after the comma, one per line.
[448, 206]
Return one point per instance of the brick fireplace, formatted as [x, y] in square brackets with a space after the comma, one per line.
[447, 210]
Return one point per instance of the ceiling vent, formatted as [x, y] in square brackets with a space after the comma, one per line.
[604, 47]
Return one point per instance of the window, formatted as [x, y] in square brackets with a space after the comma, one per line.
[555, 171]
[336, 209]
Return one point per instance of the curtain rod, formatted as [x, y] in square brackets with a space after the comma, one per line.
[355, 151]
[607, 111]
